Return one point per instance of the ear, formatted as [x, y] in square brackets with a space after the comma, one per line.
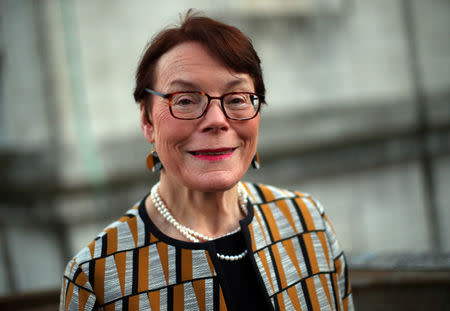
[146, 125]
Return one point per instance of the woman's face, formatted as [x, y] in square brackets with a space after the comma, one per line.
[207, 154]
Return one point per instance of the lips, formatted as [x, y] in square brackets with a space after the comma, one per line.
[213, 154]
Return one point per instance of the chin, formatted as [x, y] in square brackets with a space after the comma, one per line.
[215, 181]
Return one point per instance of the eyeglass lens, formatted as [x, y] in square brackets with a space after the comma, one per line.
[236, 105]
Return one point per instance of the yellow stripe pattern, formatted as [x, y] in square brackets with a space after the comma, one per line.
[293, 246]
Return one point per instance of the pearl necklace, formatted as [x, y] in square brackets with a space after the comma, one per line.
[193, 235]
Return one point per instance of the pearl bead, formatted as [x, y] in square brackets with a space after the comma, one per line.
[193, 235]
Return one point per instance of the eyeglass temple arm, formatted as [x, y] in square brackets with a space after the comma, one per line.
[156, 93]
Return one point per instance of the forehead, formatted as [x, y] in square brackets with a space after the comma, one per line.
[193, 64]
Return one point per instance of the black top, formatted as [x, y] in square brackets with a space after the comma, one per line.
[240, 277]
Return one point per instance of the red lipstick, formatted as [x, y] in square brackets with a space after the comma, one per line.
[213, 154]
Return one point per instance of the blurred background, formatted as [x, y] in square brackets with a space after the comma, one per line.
[358, 115]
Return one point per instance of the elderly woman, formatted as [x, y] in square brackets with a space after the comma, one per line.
[203, 239]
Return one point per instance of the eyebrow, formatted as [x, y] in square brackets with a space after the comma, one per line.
[183, 83]
[193, 86]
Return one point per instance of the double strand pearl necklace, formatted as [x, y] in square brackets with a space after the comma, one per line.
[193, 235]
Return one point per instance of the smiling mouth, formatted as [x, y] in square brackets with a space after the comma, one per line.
[213, 155]
[213, 152]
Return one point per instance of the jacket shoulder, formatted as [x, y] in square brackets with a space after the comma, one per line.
[125, 233]
[262, 193]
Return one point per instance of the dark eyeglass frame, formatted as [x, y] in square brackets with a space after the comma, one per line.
[169, 96]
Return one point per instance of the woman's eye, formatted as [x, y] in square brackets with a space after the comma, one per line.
[237, 100]
[184, 102]
[187, 100]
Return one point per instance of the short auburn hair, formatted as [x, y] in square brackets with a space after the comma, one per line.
[225, 42]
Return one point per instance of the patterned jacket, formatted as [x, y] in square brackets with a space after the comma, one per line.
[131, 265]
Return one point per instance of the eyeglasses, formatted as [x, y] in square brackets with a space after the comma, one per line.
[192, 105]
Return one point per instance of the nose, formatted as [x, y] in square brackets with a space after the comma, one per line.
[214, 118]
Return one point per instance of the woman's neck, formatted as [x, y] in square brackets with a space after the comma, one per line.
[210, 213]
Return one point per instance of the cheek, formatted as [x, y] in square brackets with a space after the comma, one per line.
[254, 130]
[161, 119]
[170, 133]
[250, 131]
[159, 114]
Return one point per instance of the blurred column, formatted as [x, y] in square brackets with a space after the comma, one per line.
[423, 126]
